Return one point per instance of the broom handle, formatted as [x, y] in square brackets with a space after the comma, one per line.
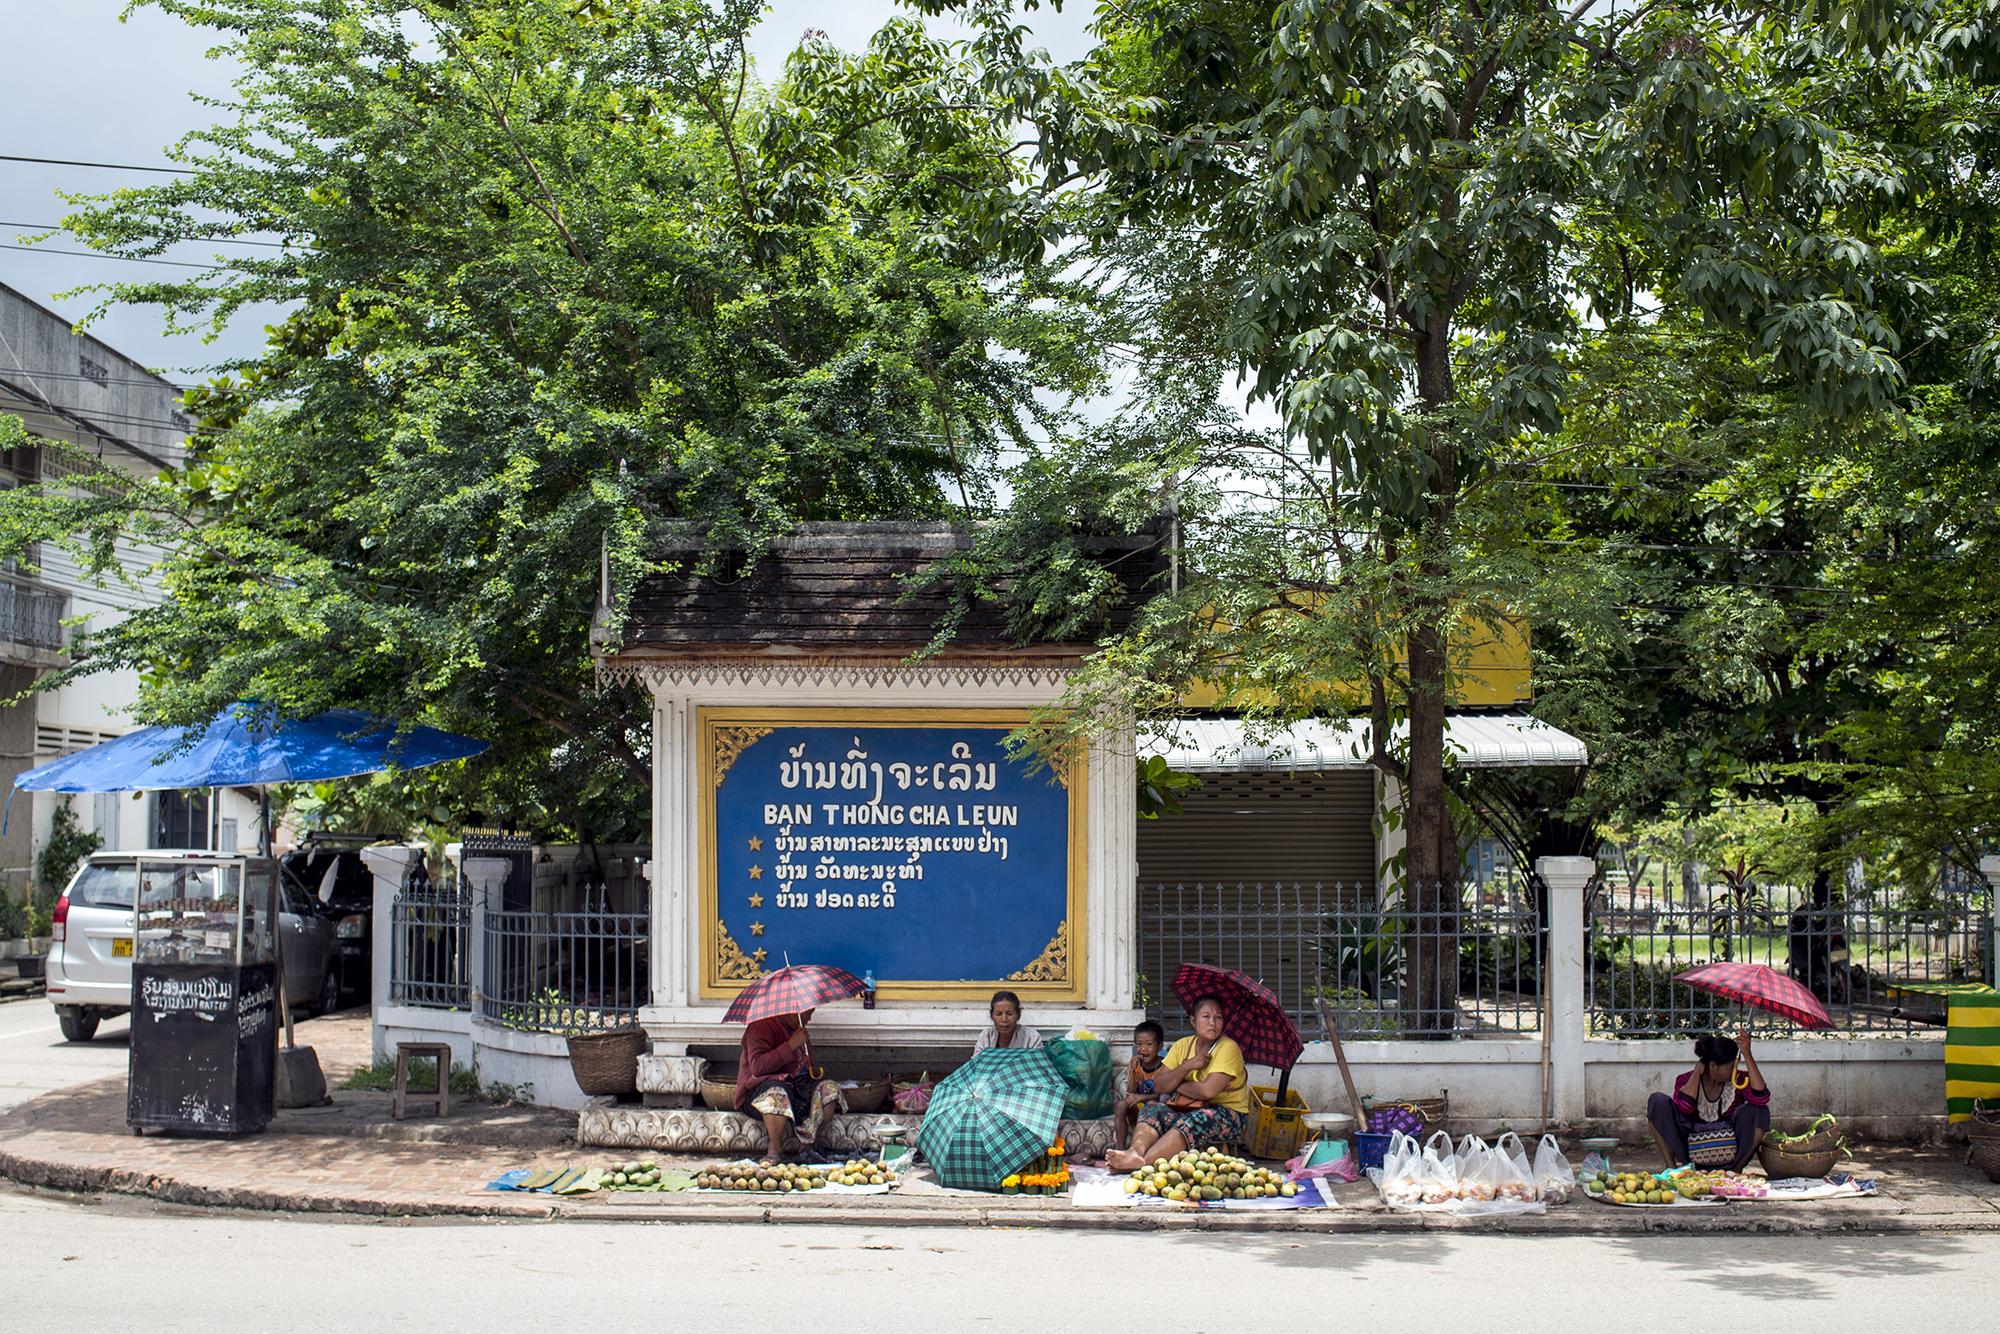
[1340, 1055]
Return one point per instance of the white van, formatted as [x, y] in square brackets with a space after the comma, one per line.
[90, 962]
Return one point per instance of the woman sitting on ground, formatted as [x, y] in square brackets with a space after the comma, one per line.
[1006, 1028]
[775, 1080]
[1206, 1095]
[1708, 1100]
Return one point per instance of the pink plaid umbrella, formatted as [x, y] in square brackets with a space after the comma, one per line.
[1761, 986]
[1251, 1014]
[793, 989]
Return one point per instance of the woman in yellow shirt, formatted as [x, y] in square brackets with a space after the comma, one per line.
[1207, 1095]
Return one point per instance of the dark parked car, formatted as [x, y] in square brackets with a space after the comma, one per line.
[327, 871]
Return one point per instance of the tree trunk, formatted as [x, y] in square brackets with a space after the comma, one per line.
[1433, 848]
[1691, 875]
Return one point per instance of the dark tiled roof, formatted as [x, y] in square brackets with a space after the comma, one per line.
[842, 588]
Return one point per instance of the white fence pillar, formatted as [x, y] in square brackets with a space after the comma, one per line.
[390, 866]
[1566, 878]
[1990, 868]
[484, 877]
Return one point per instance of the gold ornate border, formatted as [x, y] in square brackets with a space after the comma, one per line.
[1057, 975]
[1052, 964]
[731, 962]
[731, 742]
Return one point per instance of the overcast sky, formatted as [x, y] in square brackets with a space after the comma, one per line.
[81, 85]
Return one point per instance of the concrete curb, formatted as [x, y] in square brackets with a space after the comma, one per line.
[76, 1178]
[1575, 1220]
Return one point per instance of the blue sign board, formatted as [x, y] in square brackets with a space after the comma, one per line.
[909, 846]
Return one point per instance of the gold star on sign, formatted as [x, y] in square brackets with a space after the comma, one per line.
[756, 900]
[756, 928]
[756, 873]
[756, 843]
[759, 955]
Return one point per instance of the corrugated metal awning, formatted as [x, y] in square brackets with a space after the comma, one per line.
[1475, 740]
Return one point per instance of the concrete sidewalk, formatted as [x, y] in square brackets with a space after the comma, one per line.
[353, 1158]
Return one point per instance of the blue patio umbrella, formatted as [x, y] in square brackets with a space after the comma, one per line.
[244, 747]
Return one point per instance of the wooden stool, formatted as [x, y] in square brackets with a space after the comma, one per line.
[440, 1052]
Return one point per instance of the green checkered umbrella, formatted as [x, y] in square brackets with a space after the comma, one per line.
[991, 1117]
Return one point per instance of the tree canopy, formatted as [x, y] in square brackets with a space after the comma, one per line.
[552, 271]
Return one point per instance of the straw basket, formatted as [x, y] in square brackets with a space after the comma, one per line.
[607, 1064]
[1813, 1156]
[1983, 1133]
[718, 1095]
[865, 1096]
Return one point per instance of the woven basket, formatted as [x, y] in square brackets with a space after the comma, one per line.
[866, 1096]
[1813, 1156]
[718, 1095]
[607, 1064]
[1984, 1136]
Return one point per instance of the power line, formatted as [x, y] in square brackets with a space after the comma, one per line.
[107, 166]
[190, 240]
[99, 254]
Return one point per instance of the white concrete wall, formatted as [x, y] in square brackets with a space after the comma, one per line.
[1885, 1088]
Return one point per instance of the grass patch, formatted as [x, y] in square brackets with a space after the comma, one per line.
[381, 1077]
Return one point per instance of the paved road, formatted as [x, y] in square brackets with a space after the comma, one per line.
[35, 1060]
[127, 1265]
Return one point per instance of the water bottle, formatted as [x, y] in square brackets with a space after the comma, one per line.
[868, 990]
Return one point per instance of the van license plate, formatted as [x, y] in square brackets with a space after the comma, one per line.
[121, 948]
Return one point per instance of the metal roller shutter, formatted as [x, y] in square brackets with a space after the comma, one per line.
[1266, 827]
[1244, 876]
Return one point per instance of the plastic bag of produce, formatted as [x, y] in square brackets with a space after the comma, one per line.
[1509, 1146]
[1481, 1177]
[1513, 1179]
[1440, 1170]
[1553, 1175]
[1469, 1156]
[1086, 1068]
[1400, 1178]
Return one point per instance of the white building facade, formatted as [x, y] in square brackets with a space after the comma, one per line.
[70, 389]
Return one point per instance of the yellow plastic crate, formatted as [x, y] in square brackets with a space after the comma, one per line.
[1275, 1131]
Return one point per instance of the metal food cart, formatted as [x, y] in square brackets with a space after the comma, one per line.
[204, 996]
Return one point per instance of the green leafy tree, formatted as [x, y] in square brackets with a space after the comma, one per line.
[552, 271]
[1397, 222]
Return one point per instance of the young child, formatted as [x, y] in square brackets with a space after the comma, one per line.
[1147, 1040]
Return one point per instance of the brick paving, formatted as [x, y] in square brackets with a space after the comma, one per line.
[353, 1159]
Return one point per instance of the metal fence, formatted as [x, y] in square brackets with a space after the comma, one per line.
[430, 938]
[1386, 969]
[1858, 957]
[564, 972]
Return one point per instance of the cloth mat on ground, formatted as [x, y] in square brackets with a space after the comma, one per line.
[1789, 1190]
[585, 1182]
[828, 1189]
[1096, 1188]
[1464, 1208]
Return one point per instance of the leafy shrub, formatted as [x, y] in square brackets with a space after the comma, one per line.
[1638, 1000]
[68, 843]
[1489, 961]
[1359, 1016]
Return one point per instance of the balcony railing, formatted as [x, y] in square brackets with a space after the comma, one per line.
[31, 613]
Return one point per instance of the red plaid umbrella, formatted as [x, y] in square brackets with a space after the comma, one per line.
[1762, 986]
[1250, 1013]
[792, 989]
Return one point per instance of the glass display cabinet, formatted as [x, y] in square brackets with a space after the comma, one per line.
[204, 995]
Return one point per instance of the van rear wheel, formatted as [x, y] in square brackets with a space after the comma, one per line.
[79, 1022]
